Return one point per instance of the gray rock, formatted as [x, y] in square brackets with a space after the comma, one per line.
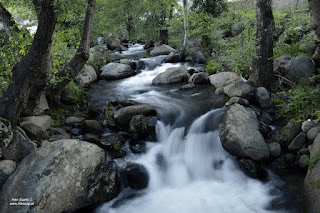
[294, 68]
[58, 134]
[113, 42]
[20, 146]
[187, 87]
[263, 97]
[240, 134]
[6, 133]
[162, 50]
[130, 62]
[312, 190]
[200, 58]
[308, 44]
[313, 132]
[307, 125]
[113, 71]
[223, 78]
[289, 132]
[172, 76]
[315, 147]
[135, 176]
[237, 100]
[297, 142]
[142, 125]
[303, 161]
[303, 151]
[7, 167]
[275, 149]
[74, 120]
[252, 169]
[87, 75]
[116, 56]
[92, 127]
[42, 105]
[42, 121]
[199, 78]
[63, 176]
[219, 91]
[33, 131]
[171, 58]
[124, 115]
[109, 142]
[239, 89]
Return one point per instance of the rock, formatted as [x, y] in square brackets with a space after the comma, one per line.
[171, 58]
[91, 138]
[6, 133]
[315, 147]
[58, 134]
[265, 130]
[307, 125]
[87, 75]
[130, 62]
[142, 125]
[162, 50]
[199, 78]
[307, 43]
[135, 176]
[263, 97]
[274, 149]
[113, 42]
[297, 142]
[172, 76]
[294, 68]
[42, 105]
[240, 134]
[116, 56]
[70, 121]
[312, 189]
[289, 132]
[7, 167]
[236, 29]
[303, 151]
[187, 87]
[63, 176]
[109, 114]
[313, 132]
[43, 121]
[19, 147]
[223, 78]
[149, 45]
[239, 89]
[112, 142]
[98, 56]
[113, 71]
[92, 127]
[303, 161]
[124, 115]
[237, 100]
[200, 58]
[252, 169]
[219, 91]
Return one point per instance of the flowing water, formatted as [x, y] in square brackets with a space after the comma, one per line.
[188, 167]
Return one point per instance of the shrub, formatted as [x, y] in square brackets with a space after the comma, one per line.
[212, 67]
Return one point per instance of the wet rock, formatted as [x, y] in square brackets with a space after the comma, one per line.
[188, 87]
[162, 50]
[252, 169]
[114, 71]
[135, 176]
[265, 130]
[279, 166]
[20, 146]
[240, 134]
[298, 142]
[124, 115]
[129, 62]
[7, 167]
[112, 142]
[92, 127]
[171, 58]
[63, 176]
[142, 125]
[313, 132]
[87, 75]
[307, 125]
[138, 148]
[263, 97]
[199, 78]
[239, 89]
[223, 78]
[294, 68]
[172, 76]
[275, 149]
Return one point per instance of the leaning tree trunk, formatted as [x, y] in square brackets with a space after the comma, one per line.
[183, 49]
[263, 67]
[6, 18]
[76, 64]
[315, 15]
[25, 72]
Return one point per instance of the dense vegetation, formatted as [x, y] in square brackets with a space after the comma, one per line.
[142, 20]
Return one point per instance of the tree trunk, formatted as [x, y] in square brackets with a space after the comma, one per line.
[315, 15]
[6, 19]
[263, 67]
[76, 64]
[183, 49]
[26, 72]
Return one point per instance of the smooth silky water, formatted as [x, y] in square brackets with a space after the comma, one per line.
[188, 167]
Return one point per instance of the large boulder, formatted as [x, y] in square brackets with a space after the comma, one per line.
[239, 89]
[63, 176]
[223, 78]
[42, 105]
[7, 167]
[172, 76]
[113, 71]
[42, 121]
[240, 134]
[87, 75]
[199, 78]
[162, 50]
[113, 42]
[135, 176]
[124, 115]
[294, 68]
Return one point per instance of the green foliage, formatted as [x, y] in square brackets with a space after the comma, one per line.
[117, 146]
[78, 94]
[212, 7]
[212, 67]
[133, 128]
[57, 115]
[302, 100]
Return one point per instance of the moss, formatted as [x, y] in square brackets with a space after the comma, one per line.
[133, 128]
[5, 121]
[117, 146]
[144, 125]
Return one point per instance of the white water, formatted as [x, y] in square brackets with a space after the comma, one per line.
[189, 169]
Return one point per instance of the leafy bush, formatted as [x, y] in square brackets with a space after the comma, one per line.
[212, 67]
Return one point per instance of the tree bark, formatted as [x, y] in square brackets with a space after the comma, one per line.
[6, 18]
[263, 67]
[183, 49]
[76, 64]
[31, 65]
[315, 15]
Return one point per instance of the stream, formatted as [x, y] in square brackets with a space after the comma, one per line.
[188, 167]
